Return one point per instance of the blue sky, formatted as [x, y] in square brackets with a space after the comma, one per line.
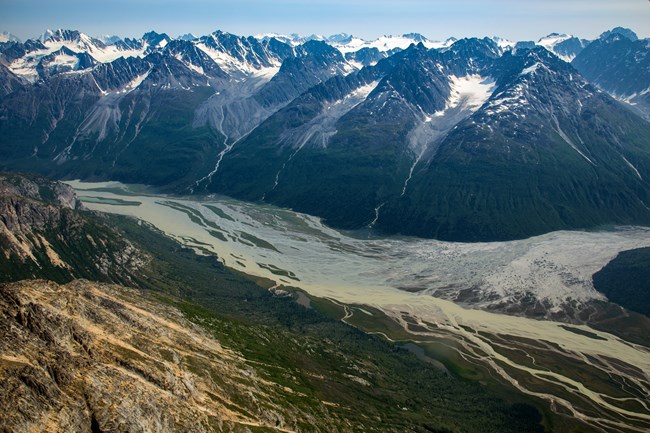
[513, 19]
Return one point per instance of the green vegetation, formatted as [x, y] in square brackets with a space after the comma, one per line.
[167, 150]
[220, 213]
[278, 271]
[583, 332]
[260, 243]
[327, 307]
[84, 246]
[112, 201]
[626, 280]
[156, 144]
[490, 179]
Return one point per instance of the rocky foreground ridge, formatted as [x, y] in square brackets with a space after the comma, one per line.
[41, 233]
[89, 357]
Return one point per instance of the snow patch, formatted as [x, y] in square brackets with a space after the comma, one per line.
[26, 65]
[530, 69]
[467, 95]
[632, 167]
[198, 69]
[8, 37]
[322, 127]
[65, 60]
[136, 82]
[504, 44]
[232, 65]
[513, 99]
[631, 99]
[85, 44]
[471, 90]
[549, 42]
[293, 40]
[570, 143]
[388, 43]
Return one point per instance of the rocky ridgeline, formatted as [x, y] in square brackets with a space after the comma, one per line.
[42, 233]
[39, 188]
[87, 357]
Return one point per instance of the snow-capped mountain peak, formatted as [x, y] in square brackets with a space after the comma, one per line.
[66, 44]
[566, 47]
[504, 44]
[388, 43]
[156, 40]
[340, 38]
[417, 37]
[8, 37]
[187, 37]
[109, 39]
[622, 31]
[551, 40]
[286, 39]
[239, 54]
[81, 43]
[45, 35]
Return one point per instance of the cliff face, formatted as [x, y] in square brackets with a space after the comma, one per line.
[42, 234]
[39, 188]
[87, 357]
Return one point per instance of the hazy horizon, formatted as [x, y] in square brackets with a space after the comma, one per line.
[437, 20]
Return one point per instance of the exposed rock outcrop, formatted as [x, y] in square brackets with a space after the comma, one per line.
[43, 234]
[87, 357]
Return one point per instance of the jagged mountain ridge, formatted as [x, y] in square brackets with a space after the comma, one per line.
[8, 37]
[566, 47]
[246, 52]
[239, 107]
[377, 154]
[543, 146]
[619, 63]
[206, 112]
[107, 107]
[42, 233]
[392, 92]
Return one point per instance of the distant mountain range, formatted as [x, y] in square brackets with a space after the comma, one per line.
[8, 37]
[470, 139]
[618, 62]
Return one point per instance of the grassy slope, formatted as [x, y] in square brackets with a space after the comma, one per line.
[155, 143]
